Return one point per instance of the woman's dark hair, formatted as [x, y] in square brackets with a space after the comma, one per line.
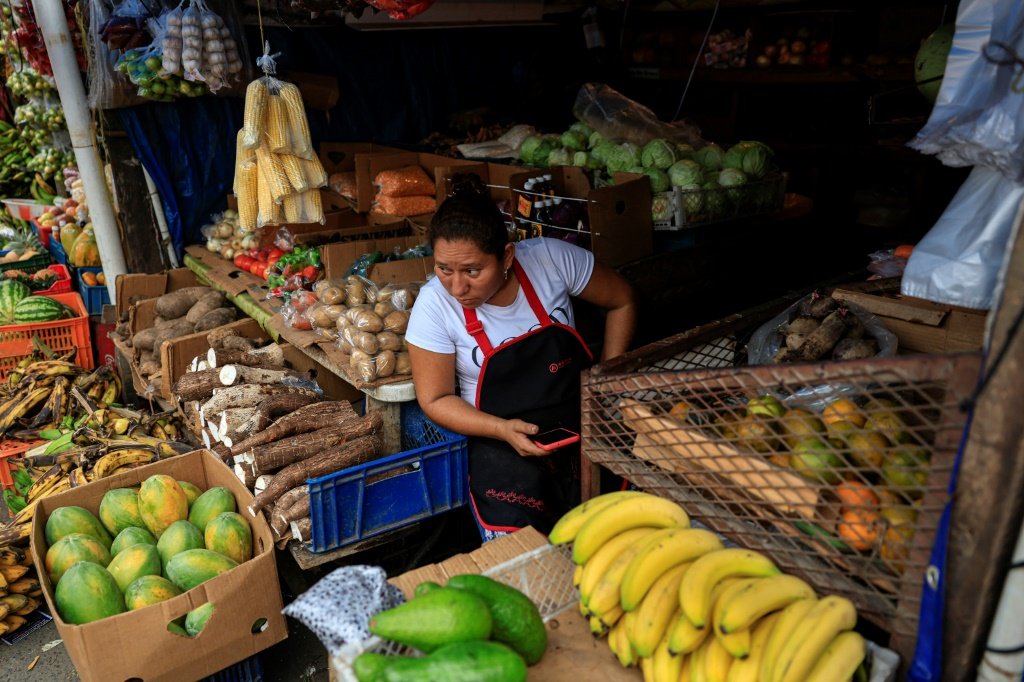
[470, 215]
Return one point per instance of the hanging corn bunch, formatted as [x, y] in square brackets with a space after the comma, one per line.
[277, 175]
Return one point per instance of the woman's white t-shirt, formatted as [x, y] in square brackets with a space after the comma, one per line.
[557, 271]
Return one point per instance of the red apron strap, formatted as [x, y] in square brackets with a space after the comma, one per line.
[475, 328]
[531, 294]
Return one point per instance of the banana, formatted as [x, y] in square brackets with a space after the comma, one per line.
[13, 573]
[611, 617]
[15, 602]
[613, 638]
[31, 605]
[24, 586]
[622, 648]
[11, 556]
[598, 564]
[13, 533]
[749, 669]
[5, 610]
[655, 612]
[110, 394]
[630, 512]
[664, 666]
[577, 576]
[829, 617]
[605, 594]
[683, 545]
[717, 660]
[684, 668]
[840, 659]
[737, 643]
[700, 580]
[106, 464]
[789, 618]
[647, 669]
[698, 673]
[762, 597]
[683, 638]
[583, 611]
[77, 477]
[13, 623]
[629, 625]
[597, 628]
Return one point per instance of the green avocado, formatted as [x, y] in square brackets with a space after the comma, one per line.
[369, 666]
[441, 616]
[517, 621]
[460, 662]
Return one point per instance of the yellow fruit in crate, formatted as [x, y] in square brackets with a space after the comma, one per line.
[766, 406]
[867, 449]
[896, 546]
[69, 232]
[756, 434]
[84, 253]
[888, 424]
[799, 424]
[843, 409]
[680, 411]
[89, 279]
[812, 458]
[101, 279]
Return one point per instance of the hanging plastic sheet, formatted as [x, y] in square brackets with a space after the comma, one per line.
[978, 119]
[189, 150]
[958, 261]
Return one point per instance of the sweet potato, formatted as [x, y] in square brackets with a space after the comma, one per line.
[177, 303]
[802, 325]
[171, 330]
[209, 302]
[822, 340]
[216, 318]
[855, 349]
[144, 339]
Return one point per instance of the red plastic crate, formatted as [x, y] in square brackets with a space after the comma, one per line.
[63, 283]
[11, 449]
[60, 336]
[43, 232]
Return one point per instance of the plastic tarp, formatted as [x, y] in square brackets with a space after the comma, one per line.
[188, 147]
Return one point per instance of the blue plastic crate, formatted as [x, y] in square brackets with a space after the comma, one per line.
[379, 496]
[57, 252]
[249, 670]
[95, 296]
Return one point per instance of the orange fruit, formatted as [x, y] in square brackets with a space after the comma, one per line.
[860, 529]
[89, 278]
[101, 278]
[680, 411]
[867, 449]
[903, 250]
[843, 409]
[857, 495]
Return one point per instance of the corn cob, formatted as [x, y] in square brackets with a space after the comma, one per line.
[298, 126]
[256, 95]
[278, 130]
[242, 156]
[247, 193]
[264, 200]
[273, 173]
[314, 171]
[293, 168]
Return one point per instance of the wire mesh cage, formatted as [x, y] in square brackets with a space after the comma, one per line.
[838, 470]
[682, 208]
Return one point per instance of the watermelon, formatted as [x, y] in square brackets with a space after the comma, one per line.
[88, 592]
[11, 293]
[66, 520]
[119, 509]
[40, 309]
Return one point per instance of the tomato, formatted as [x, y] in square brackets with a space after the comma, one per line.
[272, 259]
[265, 272]
[275, 253]
[311, 272]
[257, 267]
[301, 300]
[300, 322]
[242, 261]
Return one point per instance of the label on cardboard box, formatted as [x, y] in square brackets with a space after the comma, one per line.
[243, 597]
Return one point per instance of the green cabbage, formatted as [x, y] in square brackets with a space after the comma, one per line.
[560, 157]
[602, 151]
[658, 154]
[596, 138]
[574, 140]
[750, 157]
[692, 197]
[586, 160]
[686, 172]
[623, 157]
[548, 144]
[710, 156]
[732, 177]
[528, 148]
[658, 178]
[582, 128]
[684, 151]
[636, 170]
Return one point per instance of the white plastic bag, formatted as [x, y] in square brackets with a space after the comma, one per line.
[958, 261]
[978, 119]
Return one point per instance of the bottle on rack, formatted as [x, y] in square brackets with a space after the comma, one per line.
[549, 185]
[527, 199]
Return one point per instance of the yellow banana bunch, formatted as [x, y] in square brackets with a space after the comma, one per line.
[672, 600]
[116, 459]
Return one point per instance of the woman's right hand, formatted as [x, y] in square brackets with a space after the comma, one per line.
[517, 433]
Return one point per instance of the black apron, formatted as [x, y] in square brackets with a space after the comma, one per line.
[534, 377]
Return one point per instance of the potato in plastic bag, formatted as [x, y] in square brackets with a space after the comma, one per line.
[385, 363]
[397, 322]
[369, 321]
[366, 342]
[402, 363]
[389, 341]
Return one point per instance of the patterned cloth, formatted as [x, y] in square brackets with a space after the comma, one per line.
[339, 607]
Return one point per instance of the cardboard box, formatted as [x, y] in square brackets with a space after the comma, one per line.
[524, 560]
[922, 326]
[369, 165]
[130, 289]
[337, 258]
[621, 230]
[222, 273]
[318, 91]
[341, 226]
[176, 358]
[137, 645]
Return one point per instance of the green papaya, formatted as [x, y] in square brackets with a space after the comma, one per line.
[517, 621]
[441, 616]
[460, 662]
[368, 666]
[424, 587]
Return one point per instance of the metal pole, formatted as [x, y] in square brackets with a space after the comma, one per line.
[54, 25]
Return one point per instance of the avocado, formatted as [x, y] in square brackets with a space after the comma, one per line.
[517, 621]
[441, 616]
[460, 662]
[368, 666]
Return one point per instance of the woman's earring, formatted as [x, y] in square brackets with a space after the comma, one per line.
[506, 273]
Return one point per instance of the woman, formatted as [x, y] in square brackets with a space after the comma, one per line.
[495, 354]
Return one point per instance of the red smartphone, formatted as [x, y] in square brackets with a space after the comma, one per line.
[555, 438]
